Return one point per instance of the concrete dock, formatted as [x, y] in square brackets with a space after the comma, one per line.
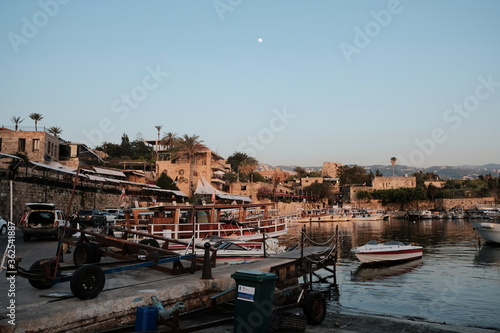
[49, 311]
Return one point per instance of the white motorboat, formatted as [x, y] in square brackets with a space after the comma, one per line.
[488, 228]
[392, 251]
[426, 214]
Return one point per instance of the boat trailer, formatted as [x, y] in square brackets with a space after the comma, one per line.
[87, 275]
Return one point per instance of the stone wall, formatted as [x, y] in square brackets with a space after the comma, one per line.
[25, 192]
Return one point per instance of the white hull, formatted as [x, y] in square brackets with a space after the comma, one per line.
[368, 217]
[489, 231]
[382, 253]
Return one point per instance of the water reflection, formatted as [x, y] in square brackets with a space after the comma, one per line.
[456, 281]
[488, 255]
[366, 273]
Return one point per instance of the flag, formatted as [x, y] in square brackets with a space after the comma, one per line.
[213, 197]
[123, 194]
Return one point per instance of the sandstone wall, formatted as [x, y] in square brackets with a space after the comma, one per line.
[24, 192]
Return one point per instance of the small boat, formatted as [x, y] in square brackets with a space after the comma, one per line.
[488, 228]
[232, 251]
[367, 215]
[426, 214]
[391, 251]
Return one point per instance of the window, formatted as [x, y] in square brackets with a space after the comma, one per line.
[22, 145]
[243, 188]
[0, 144]
[36, 144]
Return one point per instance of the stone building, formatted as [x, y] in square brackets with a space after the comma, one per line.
[39, 146]
[277, 174]
[330, 169]
[207, 164]
[387, 183]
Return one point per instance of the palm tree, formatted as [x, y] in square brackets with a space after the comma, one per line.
[247, 166]
[393, 162]
[158, 128]
[55, 131]
[16, 121]
[188, 146]
[36, 117]
[169, 139]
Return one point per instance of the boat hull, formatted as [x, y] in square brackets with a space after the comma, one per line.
[369, 254]
[489, 231]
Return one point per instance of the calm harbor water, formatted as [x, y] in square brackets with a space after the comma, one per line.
[457, 281]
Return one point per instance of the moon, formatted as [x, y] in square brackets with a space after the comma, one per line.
[259, 40]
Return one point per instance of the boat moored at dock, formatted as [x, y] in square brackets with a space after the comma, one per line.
[389, 252]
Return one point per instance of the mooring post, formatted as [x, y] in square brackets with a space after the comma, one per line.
[207, 265]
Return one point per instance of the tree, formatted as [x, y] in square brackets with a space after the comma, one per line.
[55, 131]
[248, 166]
[352, 175]
[168, 140]
[320, 190]
[242, 164]
[187, 146]
[158, 128]
[166, 183]
[264, 193]
[16, 121]
[393, 162]
[36, 117]
[301, 172]
[126, 149]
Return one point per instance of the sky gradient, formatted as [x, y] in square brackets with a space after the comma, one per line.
[355, 82]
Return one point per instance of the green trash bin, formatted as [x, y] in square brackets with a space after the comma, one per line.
[254, 301]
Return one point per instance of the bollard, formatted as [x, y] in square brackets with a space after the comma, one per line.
[207, 265]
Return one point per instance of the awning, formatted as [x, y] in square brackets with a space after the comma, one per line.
[177, 193]
[9, 156]
[233, 197]
[46, 166]
[109, 172]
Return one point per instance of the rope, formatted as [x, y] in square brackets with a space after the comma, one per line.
[322, 260]
[317, 243]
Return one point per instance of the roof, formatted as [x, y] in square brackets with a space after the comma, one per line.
[46, 166]
[9, 156]
[109, 172]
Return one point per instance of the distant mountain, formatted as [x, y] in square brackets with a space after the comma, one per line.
[444, 172]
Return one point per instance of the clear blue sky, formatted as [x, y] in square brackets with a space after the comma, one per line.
[355, 82]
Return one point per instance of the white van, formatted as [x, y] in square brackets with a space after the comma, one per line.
[43, 220]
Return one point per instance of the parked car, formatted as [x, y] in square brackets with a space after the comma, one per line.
[116, 212]
[91, 218]
[109, 217]
[43, 220]
[3, 226]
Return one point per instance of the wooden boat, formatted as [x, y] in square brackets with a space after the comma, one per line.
[392, 251]
[243, 222]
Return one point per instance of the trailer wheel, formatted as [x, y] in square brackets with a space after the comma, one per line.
[314, 307]
[87, 282]
[85, 253]
[150, 241]
[42, 284]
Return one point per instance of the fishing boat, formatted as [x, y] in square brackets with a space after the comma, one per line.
[391, 251]
[367, 215]
[245, 222]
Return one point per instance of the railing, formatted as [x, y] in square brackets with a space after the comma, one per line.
[184, 231]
